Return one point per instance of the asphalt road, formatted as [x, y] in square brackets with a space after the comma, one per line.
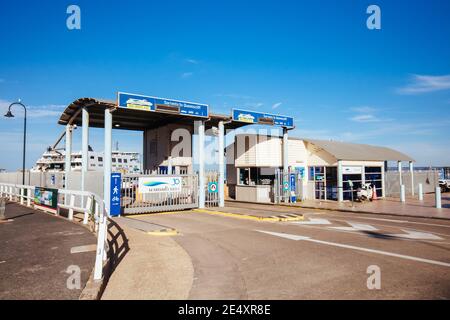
[35, 253]
[315, 259]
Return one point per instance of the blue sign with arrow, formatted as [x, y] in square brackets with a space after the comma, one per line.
[253, 117]
[155, 104]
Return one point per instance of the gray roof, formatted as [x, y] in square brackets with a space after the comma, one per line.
[355, 151]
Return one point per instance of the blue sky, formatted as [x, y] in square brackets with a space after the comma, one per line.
[314, 60]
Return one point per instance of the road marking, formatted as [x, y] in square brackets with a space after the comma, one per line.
[313, 221]
[409, 234]
[2, 262]
[340, 245]
[81, 249]
[356, 227]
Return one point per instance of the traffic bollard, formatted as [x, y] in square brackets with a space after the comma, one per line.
[2, 208]
[402, 193]
[438, 198]
[420, 192]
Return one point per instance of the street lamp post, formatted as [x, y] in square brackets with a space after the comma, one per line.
[10, 115]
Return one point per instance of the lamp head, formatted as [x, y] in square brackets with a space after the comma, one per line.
[9, 114]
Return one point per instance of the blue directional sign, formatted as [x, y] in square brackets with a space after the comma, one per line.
[116, 186]
[148, 103]
[262, 118]
[293, 188]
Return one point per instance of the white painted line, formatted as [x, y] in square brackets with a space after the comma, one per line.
[335, 244]
[356, 227]
[313, 221]
[2, 262]
[81, 249]
[416, 235]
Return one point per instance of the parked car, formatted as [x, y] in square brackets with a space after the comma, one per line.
[445, 185]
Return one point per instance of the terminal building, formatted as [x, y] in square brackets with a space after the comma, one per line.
[170, 180]
[320, 165]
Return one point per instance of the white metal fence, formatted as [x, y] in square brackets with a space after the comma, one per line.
[67, 199]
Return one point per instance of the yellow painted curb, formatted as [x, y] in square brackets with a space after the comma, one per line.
[248, 217]
[137, 215]
[165, 232]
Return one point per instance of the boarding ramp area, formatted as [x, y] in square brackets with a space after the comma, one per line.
[429, 180]
[143, 193]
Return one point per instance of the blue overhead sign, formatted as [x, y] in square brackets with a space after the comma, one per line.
[262, 118]
[148, 103]
[116, 187]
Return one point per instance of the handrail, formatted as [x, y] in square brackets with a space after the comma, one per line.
[94, 207]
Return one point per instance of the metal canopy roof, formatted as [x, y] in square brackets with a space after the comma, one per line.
[131, 119]
[354, 151]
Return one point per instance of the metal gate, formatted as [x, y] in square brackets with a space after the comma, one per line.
[286, 187]
[158, 193]
[212, 189]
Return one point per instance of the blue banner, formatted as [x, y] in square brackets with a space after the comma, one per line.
[148, 103]
[116, 187]
[262, 118]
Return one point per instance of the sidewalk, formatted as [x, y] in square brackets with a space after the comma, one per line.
[388, 206]
[36, 251]
[153, 267]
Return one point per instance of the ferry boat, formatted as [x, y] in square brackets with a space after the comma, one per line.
[54, 161]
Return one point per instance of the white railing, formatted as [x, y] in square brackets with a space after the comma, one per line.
[94, 208]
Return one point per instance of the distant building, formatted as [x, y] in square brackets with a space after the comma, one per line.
[53, 161]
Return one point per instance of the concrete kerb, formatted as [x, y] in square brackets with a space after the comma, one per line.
[279, 218]
[149, 228]
[344, 210]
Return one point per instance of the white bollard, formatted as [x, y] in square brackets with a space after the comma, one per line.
[402, 193]
[438, 198]
[420, 192]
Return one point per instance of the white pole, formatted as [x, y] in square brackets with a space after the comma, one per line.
[420, 192]
[399, 165]
[221, 154]
[340, 182]
[383, 182]
[201, 164]
[286, 163]
[438, 197]
[84, 150]
[402, 193]
[67, 160]
[169, 166]
[107, 160]
[411, 172]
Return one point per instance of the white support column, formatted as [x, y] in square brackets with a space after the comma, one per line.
[383, 183]
[399, 166]
[107, 160]
[169, 165]
[201, 164]
[221, 154]
[411, 172]
[84, 150]
[340, 182]
[67, 159]
[285, 150]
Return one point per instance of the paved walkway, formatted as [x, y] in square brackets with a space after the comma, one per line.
[391, 206]
[35, 253]
[153, 267]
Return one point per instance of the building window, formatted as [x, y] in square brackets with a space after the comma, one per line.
[100, 159]
[125, 161]
[114, 160]
[92, 157]
[120, 160]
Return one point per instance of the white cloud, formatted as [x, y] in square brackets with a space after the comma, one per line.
[193, 61]
[276, 105]
[365, 118]
[186, 75]
[426, 83]
[364, 109]
[42, 111]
